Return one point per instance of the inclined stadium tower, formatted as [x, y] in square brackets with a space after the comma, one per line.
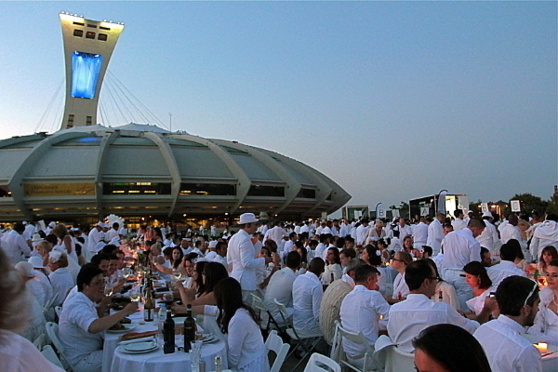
[86, 171]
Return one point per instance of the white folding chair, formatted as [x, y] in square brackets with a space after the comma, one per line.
[52, 332]
[299, 340]
[259, 305]
[360, 363]
[275, 343]
[321, 363]
[50, 355]
[387, 354]
[58, 310]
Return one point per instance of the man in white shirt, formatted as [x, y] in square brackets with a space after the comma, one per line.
[503, 338]
[459, 223]
[280, 286]
[506, 267]
[420, 233]
[95, 236]
[14, 245]
[489, 237]
[276, 233]
[403, 228]
[221, 256]
[510, 230]
[409, 317]
[361, 232]
[360, 310]
[333, 297]
[81, 328]
[242, 256]
[460, 248]
[307, 297]
[436, 233]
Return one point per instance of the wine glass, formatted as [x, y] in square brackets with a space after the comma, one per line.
[126, 272]
[135, 295]
[176, 274]
[109, 289]
[168, 298]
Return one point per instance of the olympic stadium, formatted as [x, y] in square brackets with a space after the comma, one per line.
[86, 171]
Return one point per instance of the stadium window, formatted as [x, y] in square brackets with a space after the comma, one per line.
[78, 33]
[102, 37]
[90, 35]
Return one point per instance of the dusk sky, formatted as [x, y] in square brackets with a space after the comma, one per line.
[392, 100]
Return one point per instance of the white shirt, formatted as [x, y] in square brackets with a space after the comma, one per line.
[280, 287]
[476, 304]
[14, 245]
[276, 234]
[546, 321]
[502, 270]
[359, 313]
[408, 318]
[489, 236]
[506, 348]
[241, 255]
[459, 224]
[40, 287]
[62, 282]
[400, 287]
[246, 351]
[19, 355]
[404, 231]
[545, 234]
[93, 239]
[460, 248]
[77, 315]
[307, 296]
[508, 232]
[334, 269]
[420, 234]
[319, 251]
[222, 260]
[435, 236]
[361, 233]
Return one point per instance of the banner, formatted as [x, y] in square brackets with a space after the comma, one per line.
[59, 189]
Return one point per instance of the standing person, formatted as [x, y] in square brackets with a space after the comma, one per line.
[459, 223]
[489, 237]
[420, 233]
[17, 353]
[436, 233]
[545, 234]
[95, 236]
[503, 338]
[460, 248]
[246, 351]
[241, 256]
[66, 243]
[14, 245]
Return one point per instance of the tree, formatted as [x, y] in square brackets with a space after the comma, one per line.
[529, 203]
[552, 204]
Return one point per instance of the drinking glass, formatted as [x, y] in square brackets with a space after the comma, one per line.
[135, 294]
[126, 272]
[108, 289]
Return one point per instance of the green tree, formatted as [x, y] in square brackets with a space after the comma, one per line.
[552, 206]
[529, 202]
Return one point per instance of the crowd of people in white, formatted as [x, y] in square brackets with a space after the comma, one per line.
[387, 277]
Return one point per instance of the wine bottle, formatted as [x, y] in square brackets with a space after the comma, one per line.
[149, 305]
[189, 329]
[168, 334]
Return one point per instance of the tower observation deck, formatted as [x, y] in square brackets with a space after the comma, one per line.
[88, 46]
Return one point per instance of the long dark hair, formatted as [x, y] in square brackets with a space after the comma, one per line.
[199, 279]
[229, 299]
[213, 272]
[176, 263]
[477, 269]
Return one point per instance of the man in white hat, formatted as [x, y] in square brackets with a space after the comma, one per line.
[210, 256]
[242, 256]
[489, 237]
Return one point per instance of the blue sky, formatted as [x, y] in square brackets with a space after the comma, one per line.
[393, 100]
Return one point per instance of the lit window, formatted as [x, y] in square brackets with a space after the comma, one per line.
[85, 73]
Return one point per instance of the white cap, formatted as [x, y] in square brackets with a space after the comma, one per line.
[247, 218]
[25, 268]
[213, 244]
[37, 262]
[487, 214]
[51, 224]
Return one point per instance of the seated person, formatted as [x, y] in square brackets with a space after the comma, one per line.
[409, 317]
[360, 310]
[60, 277]
[506, 267]
[546, 322]
[213, 272]
[307, 297]
[503, 338]
[81, 325]
[280, 286]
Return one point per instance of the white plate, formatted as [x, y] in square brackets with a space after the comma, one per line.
[208, 338]
[139, 347]
[127, 328]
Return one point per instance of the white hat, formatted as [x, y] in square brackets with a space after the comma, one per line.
[487, 214]
[36, 238]
[213, 244]
[25, 268]
[51, 224]
[247, 218]
[55, 255]
[115, 241]
[100, 224]
[37, 262]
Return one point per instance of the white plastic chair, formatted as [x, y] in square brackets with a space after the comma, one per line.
[321, 363]
[387, 354]
[359, 363]
[50, 355]
[58, 310]
[52, 332]
[299, 340]
[275, 343]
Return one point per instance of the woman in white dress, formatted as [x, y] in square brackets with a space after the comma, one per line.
[400, 289]
[546, 322]
[481, 285]
[246, 351]
[333, 269]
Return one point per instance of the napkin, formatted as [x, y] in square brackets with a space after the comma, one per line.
[136, 335]
[149, 338]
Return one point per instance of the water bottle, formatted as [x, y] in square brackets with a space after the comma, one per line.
[160, 318]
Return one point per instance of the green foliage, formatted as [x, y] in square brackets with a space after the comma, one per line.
[530, 202]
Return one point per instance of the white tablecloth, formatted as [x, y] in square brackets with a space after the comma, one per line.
[157, 361]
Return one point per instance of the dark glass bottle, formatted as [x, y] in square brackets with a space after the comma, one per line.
[189, 329]
[168, 334]
[149, 305]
